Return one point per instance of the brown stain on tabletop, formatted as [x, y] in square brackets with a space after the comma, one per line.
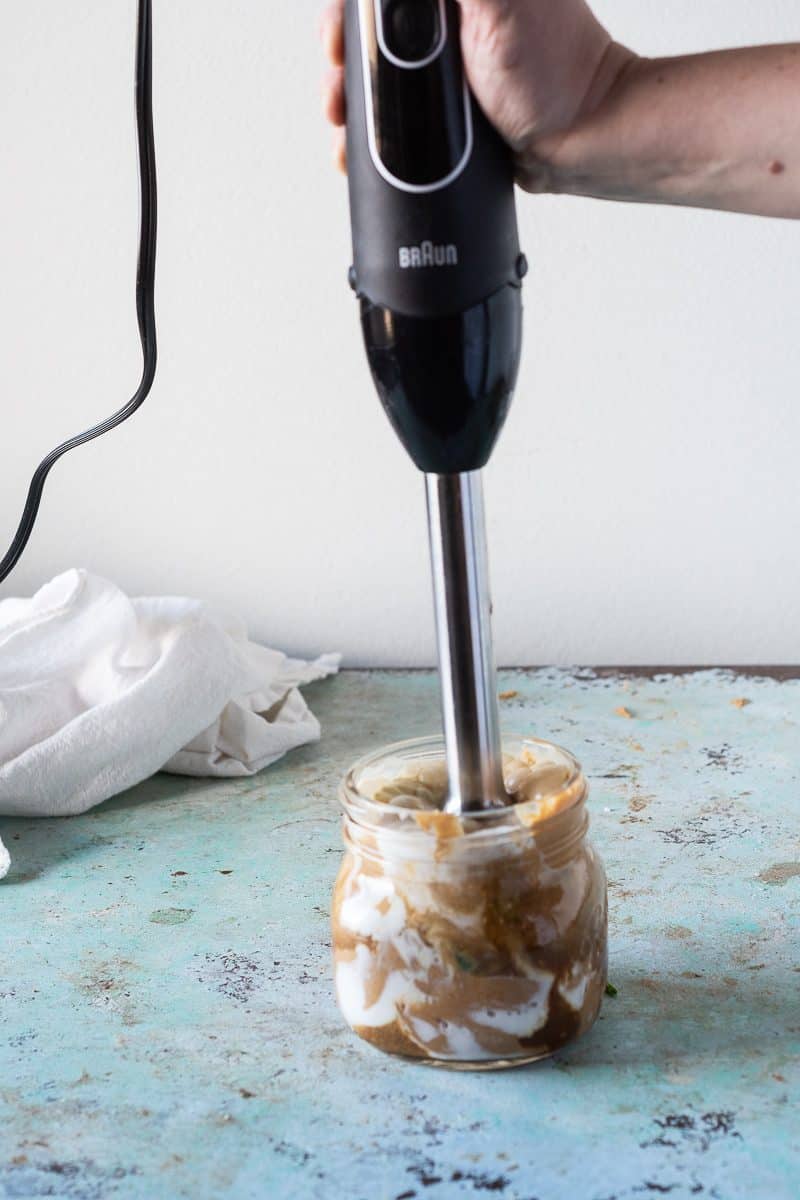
[171, 916]
[780, 873]
[106, 984]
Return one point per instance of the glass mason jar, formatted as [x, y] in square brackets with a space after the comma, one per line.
[473, 942]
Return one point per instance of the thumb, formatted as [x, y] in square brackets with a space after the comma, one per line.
[494, 10]
[485, 21]
[486, 5]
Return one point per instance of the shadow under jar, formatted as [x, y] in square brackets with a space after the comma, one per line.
[472, 942]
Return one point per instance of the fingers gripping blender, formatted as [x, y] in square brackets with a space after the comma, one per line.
[437, 269]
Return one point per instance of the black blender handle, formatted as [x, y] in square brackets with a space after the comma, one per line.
[431, 183]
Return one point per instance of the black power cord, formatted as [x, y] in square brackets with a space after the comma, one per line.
[145, 287]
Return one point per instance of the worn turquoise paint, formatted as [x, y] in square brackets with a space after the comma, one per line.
[168, 1026]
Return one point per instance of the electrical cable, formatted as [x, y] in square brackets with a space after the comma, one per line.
[145, 288]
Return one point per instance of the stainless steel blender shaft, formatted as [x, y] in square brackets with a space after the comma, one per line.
[463, 624]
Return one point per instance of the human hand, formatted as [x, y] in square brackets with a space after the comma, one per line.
[536, 68]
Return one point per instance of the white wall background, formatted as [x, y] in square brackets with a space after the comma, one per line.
[644, 501]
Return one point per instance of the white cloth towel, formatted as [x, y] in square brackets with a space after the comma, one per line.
[98, 692]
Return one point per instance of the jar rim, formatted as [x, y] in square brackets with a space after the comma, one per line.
[368, 812]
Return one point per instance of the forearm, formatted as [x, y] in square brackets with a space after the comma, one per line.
[717, 130]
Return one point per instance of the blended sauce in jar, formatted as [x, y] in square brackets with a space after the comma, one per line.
[473, 940]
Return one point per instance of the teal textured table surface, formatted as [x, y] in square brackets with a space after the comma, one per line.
[168, 1021]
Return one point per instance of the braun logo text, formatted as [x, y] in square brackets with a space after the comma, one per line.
[428, 255]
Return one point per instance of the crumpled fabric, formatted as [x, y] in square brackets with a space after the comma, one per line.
[98, 692]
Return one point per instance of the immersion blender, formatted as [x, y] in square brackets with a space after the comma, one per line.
[438, 271]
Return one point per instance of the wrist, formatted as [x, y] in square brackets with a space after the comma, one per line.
[548, 162]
